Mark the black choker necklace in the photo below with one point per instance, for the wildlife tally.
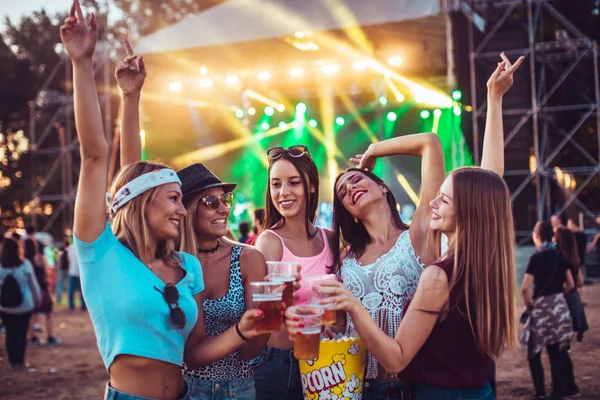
(207, 251)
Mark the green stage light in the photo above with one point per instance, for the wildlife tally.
(425, 114)
(383, 100)
(239, 113)
(265, 126)
(282, 125)
(457, 111)
(392, 116)
(437, 112)
(301, 108)
(269, 111)
(312, 123)
(456, 95)
(340, 121)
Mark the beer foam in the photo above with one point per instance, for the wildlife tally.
(282, 279)
(310, 330)
(267, 297)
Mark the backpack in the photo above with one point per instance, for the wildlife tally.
(10, 292)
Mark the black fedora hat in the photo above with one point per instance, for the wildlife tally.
(196, 178)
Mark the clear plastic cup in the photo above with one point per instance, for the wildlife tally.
(306, 344)
(313, 282)
(284, 272)
(267, 297)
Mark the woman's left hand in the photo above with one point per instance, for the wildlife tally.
(365, 161)
(339, 298)
(502, 78)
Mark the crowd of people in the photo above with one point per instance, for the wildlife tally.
(168, 291)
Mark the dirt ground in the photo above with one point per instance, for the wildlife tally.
(74, 370)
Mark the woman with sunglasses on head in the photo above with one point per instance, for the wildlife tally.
(225, 340)
(291, 204)
(383, 258)
(142, 295)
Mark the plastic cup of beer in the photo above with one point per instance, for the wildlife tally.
(267, 297)
(312, 283)
(306, 343)
(284, 273)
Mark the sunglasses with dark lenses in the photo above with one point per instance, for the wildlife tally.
(295, 151)
(212, 201)
(171, 296)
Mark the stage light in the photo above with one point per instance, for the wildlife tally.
(437, 112)
(205, 82)
(251, 111)
(282, 125)
(313, 123)
(383, 100)
(425, 114)
(301, 108)
(340, 121)
(456, 95)
(264, 76)
(265, 126)
(457, 111)
(281, 108)
(239, 113)
(395, 61)
(232, 80)
(269, 111)
(295, 124)
(175, 86)
(360, 65)
(330, 69)
(468, 108)
(203, 70)
(392, 116)
(400, 98)
(297, 72)
(418, 99)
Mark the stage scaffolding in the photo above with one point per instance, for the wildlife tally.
(59, 159)
(494, 25)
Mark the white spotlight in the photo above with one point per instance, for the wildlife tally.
(395, 61)
(331, 69)
(264, 76)
(175, 86)
(297, 72)
(232, 80)
(205, 82)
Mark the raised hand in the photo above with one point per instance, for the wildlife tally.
(78, 38)
(365, 161)
(131, 74)
(502, 78)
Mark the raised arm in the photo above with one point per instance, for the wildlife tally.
(130, 77)
(80, 40)
(493, 139)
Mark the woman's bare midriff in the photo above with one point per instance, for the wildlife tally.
(145, 377)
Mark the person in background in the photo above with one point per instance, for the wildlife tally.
(581, 240)
(62, 272)
(74, 279)
(31, 231)
(16, 311)
(259, 222)
(556, 221)
(40, 267)
(244, 231)
(548, 320)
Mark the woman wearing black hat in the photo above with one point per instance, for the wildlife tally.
(219, 365)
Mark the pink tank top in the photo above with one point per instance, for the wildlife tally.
(311, 266)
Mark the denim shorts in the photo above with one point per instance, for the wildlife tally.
(428, 392)
(277, 375)
(238, 389)
(113, 394)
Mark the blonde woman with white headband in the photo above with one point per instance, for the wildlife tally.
(142, 295)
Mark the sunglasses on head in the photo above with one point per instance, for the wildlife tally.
(171, 296)
(212, 201)
(295, 151)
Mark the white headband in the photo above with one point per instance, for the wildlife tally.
(140, 185)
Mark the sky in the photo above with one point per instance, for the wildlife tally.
(15, 9)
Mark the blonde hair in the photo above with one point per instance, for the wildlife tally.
(484, 257)
(188, 242)
(129, 224)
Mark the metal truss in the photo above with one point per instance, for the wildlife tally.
(571, 52)
(58, 184)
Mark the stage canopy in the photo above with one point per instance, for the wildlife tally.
(238, 21)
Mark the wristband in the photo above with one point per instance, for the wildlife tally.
(237, 329)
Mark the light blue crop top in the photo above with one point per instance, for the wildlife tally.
(129, 315)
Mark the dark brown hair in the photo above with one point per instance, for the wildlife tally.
(544, 230)
(31, 249)
(11, 254)
(310, 176)
(354, 234)
(567, 246)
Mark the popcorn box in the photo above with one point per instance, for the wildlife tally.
(338, 372)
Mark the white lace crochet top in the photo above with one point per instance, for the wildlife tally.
(384, 287)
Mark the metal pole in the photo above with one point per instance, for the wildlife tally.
(33, 147)
(597, 90)
(474, 104)
(534, 107)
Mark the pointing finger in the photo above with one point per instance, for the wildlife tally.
(128, 47)
(516, 64)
